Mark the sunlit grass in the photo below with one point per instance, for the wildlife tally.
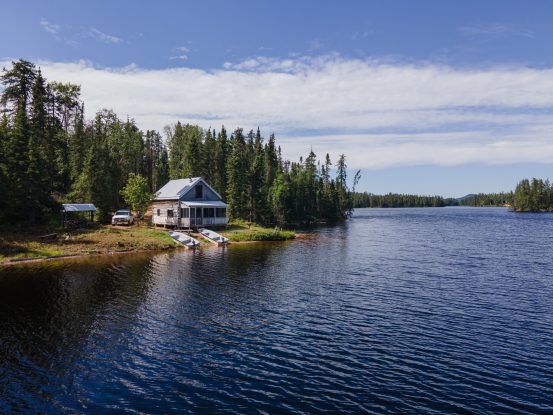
(239, 231)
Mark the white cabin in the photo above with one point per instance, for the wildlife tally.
(188, 203)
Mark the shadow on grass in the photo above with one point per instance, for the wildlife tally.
(9, 248)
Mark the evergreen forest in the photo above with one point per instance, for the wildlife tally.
(51, 154)
(394, 200)
(533, 196)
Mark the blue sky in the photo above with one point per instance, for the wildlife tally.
(422, 96)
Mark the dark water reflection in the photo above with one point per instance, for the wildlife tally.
(414, 311)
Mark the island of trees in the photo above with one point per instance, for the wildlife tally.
(533, 196)
(484, 199)
(51, 154)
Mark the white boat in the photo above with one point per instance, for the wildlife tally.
(213, 236)
(184, 239)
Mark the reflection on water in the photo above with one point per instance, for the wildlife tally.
(420, 310)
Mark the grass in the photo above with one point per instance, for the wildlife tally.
(25, 243)
(240, 231)
(16, 243)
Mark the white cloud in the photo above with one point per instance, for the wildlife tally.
(495, 29)
(179, 57)
(103, 37)
(379, 114)
(51, 28)
(184, 49)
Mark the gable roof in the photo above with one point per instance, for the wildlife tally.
(175, 189)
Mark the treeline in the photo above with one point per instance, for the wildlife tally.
(485, 199)
(533, 196)
(394, 200)
(51, 154)
(259, 185)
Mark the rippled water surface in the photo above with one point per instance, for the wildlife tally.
(410, 310)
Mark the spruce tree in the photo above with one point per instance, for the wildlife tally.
(177, 143)
(37, 175)
(237, 171)
(208, 157)
(4, 189)
(77, 147)
(220, 163)
(17, 153)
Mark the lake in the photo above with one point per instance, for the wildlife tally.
(436, 310)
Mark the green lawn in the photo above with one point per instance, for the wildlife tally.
(238, 231)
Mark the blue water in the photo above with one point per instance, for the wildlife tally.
(446, 310)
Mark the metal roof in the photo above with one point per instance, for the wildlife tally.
(174, 189)
(79, 207)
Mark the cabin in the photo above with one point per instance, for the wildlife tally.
(188, 203)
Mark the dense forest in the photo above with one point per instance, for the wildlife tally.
(51, 154)
(533, 196)
(394, 200)
(486, 199)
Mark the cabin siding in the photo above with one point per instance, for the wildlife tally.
(160, 213)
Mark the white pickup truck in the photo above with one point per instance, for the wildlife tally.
(122, 216)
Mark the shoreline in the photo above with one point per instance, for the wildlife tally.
(64, 257)
(39, 259)
(101, 241)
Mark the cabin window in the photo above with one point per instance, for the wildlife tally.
(199, 191)
(221, 212)
(169, 213)
(158, 212)
(209, 212)
(184, 212)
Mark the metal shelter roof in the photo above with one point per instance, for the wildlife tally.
(79, 207)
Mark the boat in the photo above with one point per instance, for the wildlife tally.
(184, 239)
(213, 236)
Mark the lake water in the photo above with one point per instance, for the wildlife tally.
(446, 310)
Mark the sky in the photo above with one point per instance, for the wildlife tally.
(427, 97)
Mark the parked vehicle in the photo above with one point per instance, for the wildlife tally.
(122, 217)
